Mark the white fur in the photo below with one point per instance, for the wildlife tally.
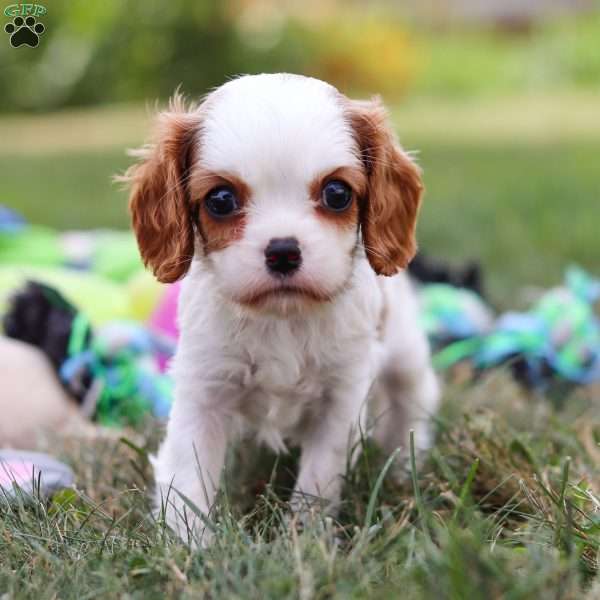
(292, 371)
(277, 133)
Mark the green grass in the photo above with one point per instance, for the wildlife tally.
(525, 211)
(70, 190)
(507, 511)
(508, 506)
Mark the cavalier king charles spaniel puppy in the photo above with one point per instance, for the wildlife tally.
(290, 212)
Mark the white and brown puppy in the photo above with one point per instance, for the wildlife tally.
(282, 202)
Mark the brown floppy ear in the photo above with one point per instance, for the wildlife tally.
(159, 203)
(389, 213)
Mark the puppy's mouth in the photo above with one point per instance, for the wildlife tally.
(284, 292)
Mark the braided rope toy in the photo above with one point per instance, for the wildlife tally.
(119, 368)
(558, 336)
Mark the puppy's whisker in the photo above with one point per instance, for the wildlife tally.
(377, 253)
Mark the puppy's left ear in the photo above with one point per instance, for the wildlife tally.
(159, 202)
(389, 213)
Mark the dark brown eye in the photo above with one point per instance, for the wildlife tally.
(221, 201)
(336, 195)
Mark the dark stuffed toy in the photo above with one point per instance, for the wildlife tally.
(40, 316)
(430, 270)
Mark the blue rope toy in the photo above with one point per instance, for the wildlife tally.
(558, 337)
(121, 362)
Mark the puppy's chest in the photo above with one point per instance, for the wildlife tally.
(281, 392)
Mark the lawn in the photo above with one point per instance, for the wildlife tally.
(506, 509)
(504, 506)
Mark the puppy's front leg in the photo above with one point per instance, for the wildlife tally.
(189, 463)
(327, 446)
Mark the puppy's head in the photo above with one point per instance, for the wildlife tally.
(273, 182)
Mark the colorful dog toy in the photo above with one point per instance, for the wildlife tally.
(121, 365)
(558, 337)
(113, 371)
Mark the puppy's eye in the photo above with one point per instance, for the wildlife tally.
(336, 195)
(221, 202)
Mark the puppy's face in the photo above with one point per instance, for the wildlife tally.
(274, 181)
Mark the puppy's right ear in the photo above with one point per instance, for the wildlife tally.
(389, 214)
(159, 200)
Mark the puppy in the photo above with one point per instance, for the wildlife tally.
(290, 210)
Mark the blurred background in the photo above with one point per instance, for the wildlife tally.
(500, 99)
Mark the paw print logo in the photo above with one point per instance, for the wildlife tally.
(24, 32)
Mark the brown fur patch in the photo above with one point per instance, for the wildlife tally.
(217, 233)
(389, 213)
(159, 199)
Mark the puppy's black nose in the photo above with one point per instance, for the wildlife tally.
(282, 255)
